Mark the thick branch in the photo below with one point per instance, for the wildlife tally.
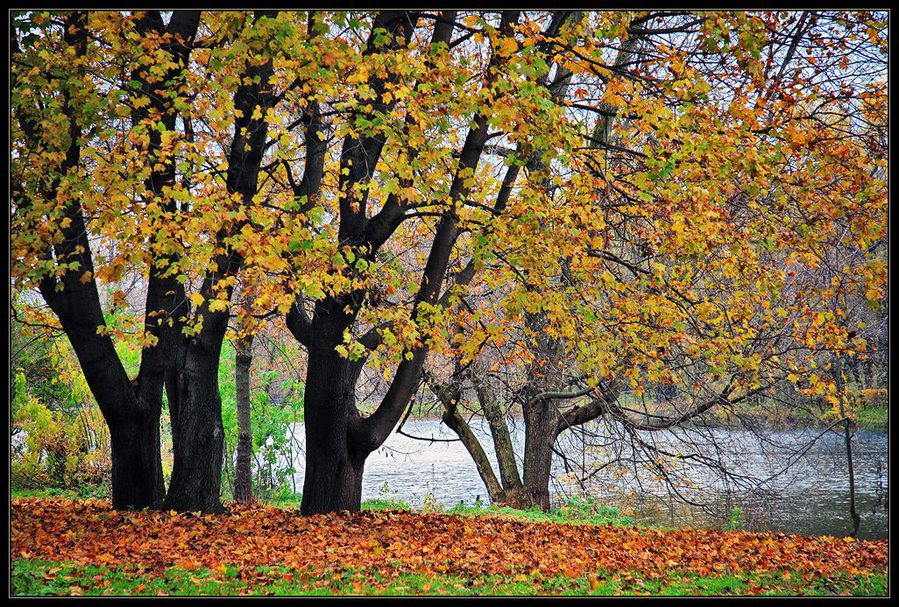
(360, 155)
(299, 324)
(449, 395)
(376, 428)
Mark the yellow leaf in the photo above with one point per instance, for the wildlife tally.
(218, 305)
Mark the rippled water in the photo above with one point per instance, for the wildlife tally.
(807, 491)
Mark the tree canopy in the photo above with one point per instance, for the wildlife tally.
(658, 191)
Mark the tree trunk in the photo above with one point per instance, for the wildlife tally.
(853, 513)
(334, 466)
(449, 395)
(133, 422)
(502, 440)
(136, 462)
(197, 433)
(243, 475)
(541, 421)
(847, 438)
(457, 424)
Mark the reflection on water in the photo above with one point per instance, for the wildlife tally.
(806, 490)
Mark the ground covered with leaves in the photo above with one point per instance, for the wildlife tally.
(85, 547)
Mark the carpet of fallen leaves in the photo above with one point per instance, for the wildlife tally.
(391, 543)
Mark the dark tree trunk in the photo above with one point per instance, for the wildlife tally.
(136, 462)
(457, 424)
(197, 433)
(334, 464)
(133, 422)
(243, 475)
(131, 409)
(541, 428)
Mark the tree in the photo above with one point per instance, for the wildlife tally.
(107, 109)
(55, 106)
(243, 475)
(644, 313)
(338, 438)
(614, 188)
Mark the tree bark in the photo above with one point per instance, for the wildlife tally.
(243, 475)
(196, 413)
(540, 422)
(136, 462)
(334, 464)
(128, 408)
(853, 512)
(197, 433)
(541, 419)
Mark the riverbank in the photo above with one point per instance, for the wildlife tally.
(62, 546)
(872, 414)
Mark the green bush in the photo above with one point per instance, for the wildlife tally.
(65, 449)
(736, 521)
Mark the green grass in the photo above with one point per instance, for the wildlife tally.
(573, 511)
(31, 577)
(86, 492)
(873, 417)
(586, 511)
(294, 500)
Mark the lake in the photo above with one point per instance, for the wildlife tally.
(806, 488)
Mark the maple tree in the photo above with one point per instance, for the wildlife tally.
(678, 278)
(627, 189)
(135, 141)
(55, 106)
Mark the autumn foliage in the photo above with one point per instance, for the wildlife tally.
(394, 543)
(663, 191)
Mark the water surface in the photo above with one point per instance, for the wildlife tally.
(806, 487)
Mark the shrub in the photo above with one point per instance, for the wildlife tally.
(57, 448)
